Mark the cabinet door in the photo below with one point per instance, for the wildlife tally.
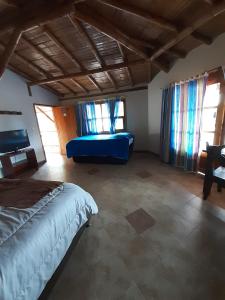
(66, 124)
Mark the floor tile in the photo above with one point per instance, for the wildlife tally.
(140, 220)
(180, 257)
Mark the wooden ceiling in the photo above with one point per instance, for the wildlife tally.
(79, 48)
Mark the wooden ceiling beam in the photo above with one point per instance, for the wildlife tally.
(149, 70)
(79, 85)
(95, 83)
(111, 79)
(24, 61)
(215, 10)
(106, 93)
(104, 26)
(78, 25)
(67, 87)
(153, 19)
(160, 22)
(30, 65)
(156, 44)
(92, 46)
(11, 3)
(202, 38)
(210, 2)
(36, 13)
(9, 50)
(125, 61)
(59, 44)
(90, 72)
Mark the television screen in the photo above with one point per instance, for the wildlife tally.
(13, 140)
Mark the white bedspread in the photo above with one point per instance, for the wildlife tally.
(34, 241)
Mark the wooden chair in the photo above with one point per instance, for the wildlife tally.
(215, 169)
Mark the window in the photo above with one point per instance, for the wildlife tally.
(102, 119)
(210, 116)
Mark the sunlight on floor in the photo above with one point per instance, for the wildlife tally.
(55, 159)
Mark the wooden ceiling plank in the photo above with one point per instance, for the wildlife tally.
(215, 10)
(66, 87)
(59, 44)
(111, 79)
(90, 72)
(148, 16)
(153, 19)
(78, 25)
(31, 65)
(42, 53)
(27, 62)
(79, 85)
(125, 61)
(9, 50)
(93, 47)
(104, 26)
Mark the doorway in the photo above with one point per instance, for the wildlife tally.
(48, 130)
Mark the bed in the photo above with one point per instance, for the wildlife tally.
(34, 237)
(113, 148)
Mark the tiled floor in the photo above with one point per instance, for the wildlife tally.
(182, 256)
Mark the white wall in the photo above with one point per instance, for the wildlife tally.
(137, 117)
(137, 114)
(198, 61)
(14, 97)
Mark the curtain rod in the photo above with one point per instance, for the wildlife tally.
(103, 99)
(197, 76)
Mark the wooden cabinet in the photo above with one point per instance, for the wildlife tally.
(66, 124)
(11, 167)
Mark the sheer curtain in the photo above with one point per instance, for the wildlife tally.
(87, 118)
(181, 122)
(113, 108)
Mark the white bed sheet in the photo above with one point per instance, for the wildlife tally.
(34, 241)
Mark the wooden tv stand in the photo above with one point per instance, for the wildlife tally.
(10, 168)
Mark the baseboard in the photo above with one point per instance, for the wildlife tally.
(146, 151)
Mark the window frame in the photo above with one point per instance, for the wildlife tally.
(124, 117)
(219, 131)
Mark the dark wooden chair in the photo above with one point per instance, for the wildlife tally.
(215, 169)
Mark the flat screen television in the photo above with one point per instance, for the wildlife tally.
(13, 140)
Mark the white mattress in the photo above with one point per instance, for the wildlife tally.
(34, 241)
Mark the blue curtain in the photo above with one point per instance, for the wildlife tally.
(181, 121)
(165, 133)
(87, 118)
(113, 108)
